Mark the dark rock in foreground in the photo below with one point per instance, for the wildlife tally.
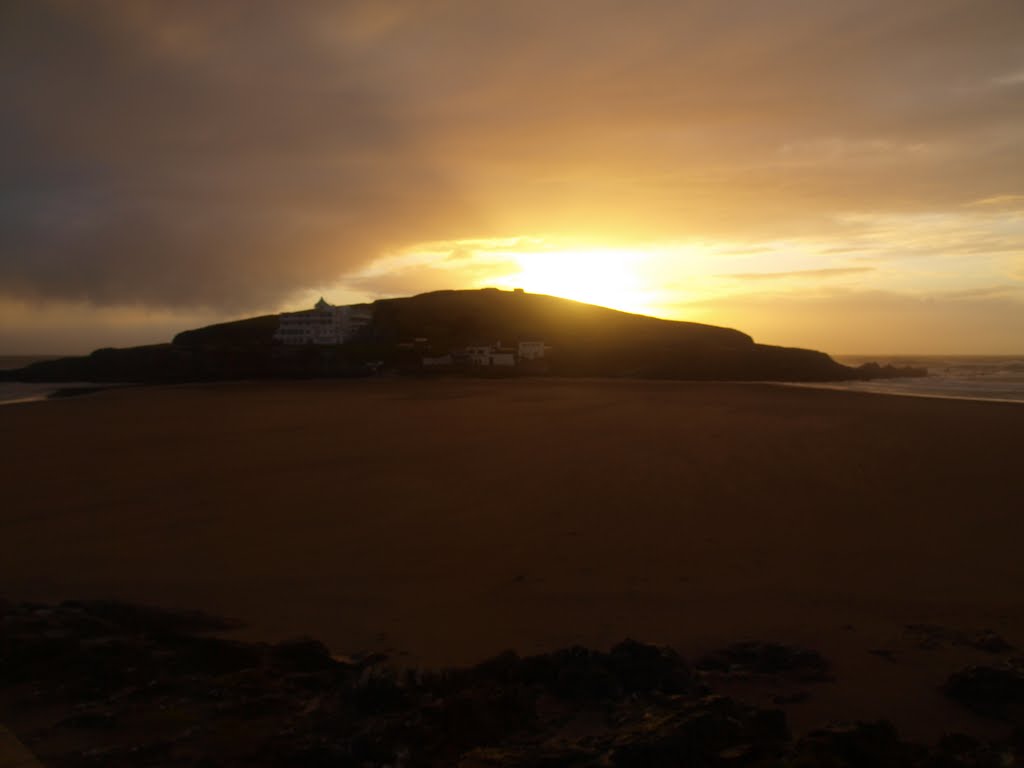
(991, 691)
(755, 658)
(871, 745)
(108, 684)
(932, 636)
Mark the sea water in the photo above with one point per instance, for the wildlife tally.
(25, 391)
(962, 377)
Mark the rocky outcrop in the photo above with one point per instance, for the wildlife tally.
(995, 691)
(861, 745)
(933, 636)
(756, 658)
(108, 684)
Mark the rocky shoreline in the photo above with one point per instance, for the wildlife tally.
(112, 684)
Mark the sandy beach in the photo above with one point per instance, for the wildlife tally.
(447, 520)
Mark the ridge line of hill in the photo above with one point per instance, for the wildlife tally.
(585, 340)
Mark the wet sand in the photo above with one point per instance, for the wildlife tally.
(448, 520)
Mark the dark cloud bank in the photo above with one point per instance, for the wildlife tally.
(224, 154)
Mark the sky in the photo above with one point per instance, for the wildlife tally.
(846, 175)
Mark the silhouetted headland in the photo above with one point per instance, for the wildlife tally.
(407, 334)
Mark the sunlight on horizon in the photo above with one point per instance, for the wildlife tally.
(608, 277)
(843, 291)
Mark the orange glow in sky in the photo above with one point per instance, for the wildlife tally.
(847, 176)
(603, 276)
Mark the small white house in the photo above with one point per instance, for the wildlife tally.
(479, 354)
(489, 355)
(532, 350)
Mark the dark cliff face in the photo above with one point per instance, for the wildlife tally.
(586, 341)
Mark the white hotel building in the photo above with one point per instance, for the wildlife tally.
(324, 324)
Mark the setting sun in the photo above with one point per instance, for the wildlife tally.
(605, 276)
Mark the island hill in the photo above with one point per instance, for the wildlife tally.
(448, 331)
